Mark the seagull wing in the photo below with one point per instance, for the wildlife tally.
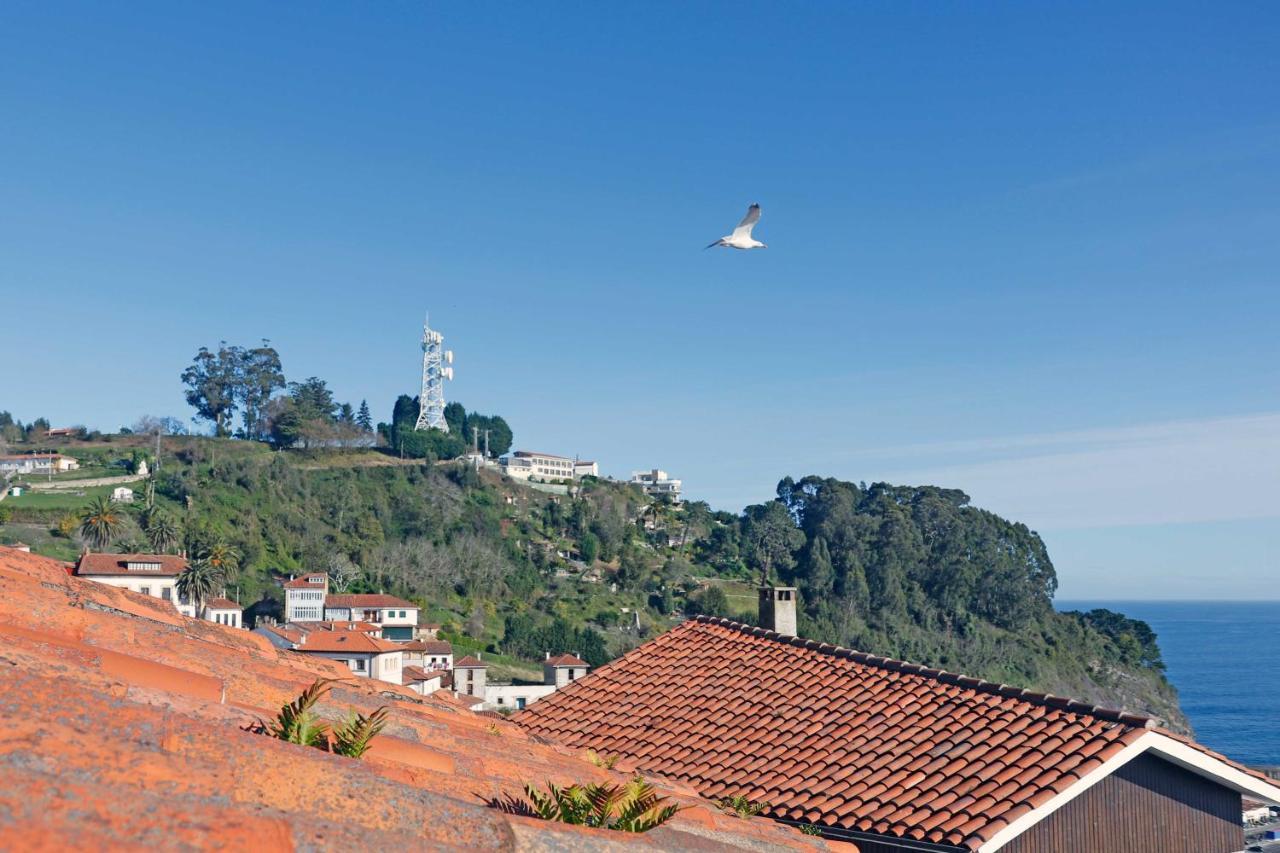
(748, 222)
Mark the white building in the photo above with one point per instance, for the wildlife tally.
(37, 463)
(557, 672)
(364, 655)
(397, 617)
(304, 597)
(429, 654)
(657, 483)
(147, 574)
(122, 495)
(155, 575)
(470, 675)
(224, 611)
(527, 465)
(424, 681)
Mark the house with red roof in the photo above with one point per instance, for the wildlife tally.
(304, 597)
(362, 654)
(896, 756)
(398, 618)
(155, 575)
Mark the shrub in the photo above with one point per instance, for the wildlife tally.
(741, 806)
(297, 723)
(631, 807)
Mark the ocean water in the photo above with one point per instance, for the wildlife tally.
(1224, 658)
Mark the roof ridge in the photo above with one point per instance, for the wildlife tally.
(1033, 697)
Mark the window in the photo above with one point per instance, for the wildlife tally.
(359, 665)
(572, 674)
(500, 701)
(166, 593)
(519, 703)
(145, 590)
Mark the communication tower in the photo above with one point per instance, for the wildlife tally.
(437, 366)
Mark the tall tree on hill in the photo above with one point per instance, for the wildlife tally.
(213, 385)
(772, 538)
(161, 531)
(100, 521)
(363, 418)
(260, 376)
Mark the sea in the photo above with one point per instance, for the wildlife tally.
(1224, 658)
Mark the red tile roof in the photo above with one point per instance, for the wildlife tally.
(374, 599)
(118, 564)
(108, 749)
(304, 581)
(355, 642)
(337, 625)
(222, 604)
(469, 661)
(417, 673)
(565, 660)
(428, 647)
(831, 736)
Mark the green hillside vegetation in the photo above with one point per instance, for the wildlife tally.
(908, 572)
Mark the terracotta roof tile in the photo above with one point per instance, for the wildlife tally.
(315, 580)
(865, 742)
(127, 727)
(565, 660)
(118, 564)
(469, 661)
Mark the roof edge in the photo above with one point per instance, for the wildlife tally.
(1047, 700)
(1174, 751)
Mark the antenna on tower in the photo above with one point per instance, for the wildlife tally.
(434, 373)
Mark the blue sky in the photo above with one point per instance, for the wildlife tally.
(1027, 252)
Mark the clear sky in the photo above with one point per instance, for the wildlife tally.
(1027, 252)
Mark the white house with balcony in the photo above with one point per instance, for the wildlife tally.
(304, 597)
(657, 483)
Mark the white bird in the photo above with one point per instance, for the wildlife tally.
(741, 237)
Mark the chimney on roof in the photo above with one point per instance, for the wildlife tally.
(548, 656)
(778, 609)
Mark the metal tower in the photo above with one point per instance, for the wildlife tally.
(436, 368)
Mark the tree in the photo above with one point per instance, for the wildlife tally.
(100, 521)
(313, 398)
(363, 418)
(260, 376)
(213, 385)
(342, 573)
(197, 583)
(222, 558)
(475, 622)
(589, 548)
(346, 414)
(771, 538)
(162, 532)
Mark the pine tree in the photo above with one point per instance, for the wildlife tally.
(363, 418)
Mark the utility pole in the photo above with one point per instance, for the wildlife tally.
(475, 438)
(486, 444)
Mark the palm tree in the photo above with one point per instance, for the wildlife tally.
(223, 558)
(100, 521)
(197, 582)
(162, 531)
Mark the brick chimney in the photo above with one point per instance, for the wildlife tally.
(778, 609)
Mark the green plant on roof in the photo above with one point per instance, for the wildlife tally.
(630, 807)
(809, 829)
(352, 738)
(297, 722)
(741, 806)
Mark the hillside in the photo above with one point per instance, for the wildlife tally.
(914, 573)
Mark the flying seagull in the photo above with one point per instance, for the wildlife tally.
(741, 237)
